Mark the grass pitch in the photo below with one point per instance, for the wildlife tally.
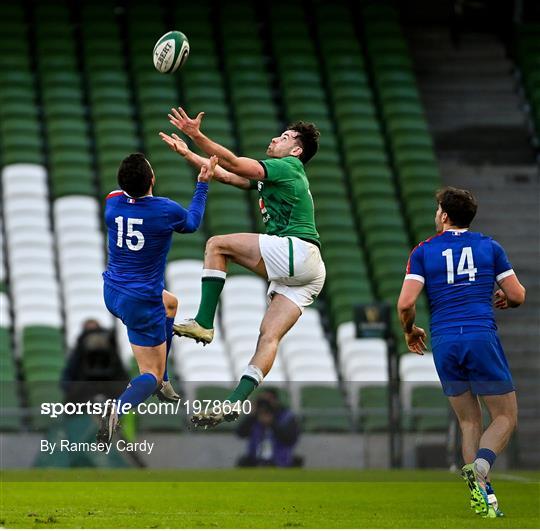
(258, 499)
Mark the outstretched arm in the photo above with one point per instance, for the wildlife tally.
(242, 166)
(220, 174)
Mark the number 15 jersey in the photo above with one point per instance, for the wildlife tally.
(459, 269)
(140, 233)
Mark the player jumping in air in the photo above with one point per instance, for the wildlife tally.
(288, 255)
(140, 228)
(459, 269)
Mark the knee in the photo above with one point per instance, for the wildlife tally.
(470, 425)
(171, 304)
(267, 336)
(215, 244)
(509, 420)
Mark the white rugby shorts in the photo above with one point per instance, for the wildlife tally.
(295, 268)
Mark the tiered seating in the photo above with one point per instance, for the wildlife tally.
(203, 90)
(3, 271)
(425, 407)
(528, 51)
(33, 284)
(8, 372)
(109, 92)
(81, 260)
(364, 366)
(375, 195)
(243, 303)
(30, 251)
(313, 376)
(70, 158)
(195, 364)
(250, 86)
(410, 142)
(155, 95)
(20, 139)
(301, 85)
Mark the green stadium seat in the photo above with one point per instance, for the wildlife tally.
(373, 409)
(323, 409)
(429, 409)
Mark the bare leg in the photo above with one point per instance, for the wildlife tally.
(503, 411)
(170, 302)
(242, 249)
(279, 318)
(467, 409)
(150, 360)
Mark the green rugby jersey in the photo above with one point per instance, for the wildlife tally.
(285, 200)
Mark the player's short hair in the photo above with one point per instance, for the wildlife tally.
(460, 205)
(135, 175)
(308, 137)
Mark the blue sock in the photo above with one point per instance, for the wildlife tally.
(487, 454)
(484, 461)
(169, 330)
(489, 488)
(138, 390)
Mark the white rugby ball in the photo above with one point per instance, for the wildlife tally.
(171, 52)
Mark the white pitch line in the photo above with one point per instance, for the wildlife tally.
(512, 477)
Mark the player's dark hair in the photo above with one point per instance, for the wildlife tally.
(460, 205)
(135, 175)
(308, 136)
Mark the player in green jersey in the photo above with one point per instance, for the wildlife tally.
(288, 255)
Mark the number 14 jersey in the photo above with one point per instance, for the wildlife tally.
(459, 269)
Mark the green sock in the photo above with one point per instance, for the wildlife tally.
(212, 284)
(245, 387)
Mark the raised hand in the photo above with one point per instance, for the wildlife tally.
(415, 340)
(188, 126)
(175, 143)
(207, 170)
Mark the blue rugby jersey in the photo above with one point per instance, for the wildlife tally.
(459, 269)
(140, 233)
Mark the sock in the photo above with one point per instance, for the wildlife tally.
(251, 378)
(137, 391)
(169, 329)
(484, 460)
(213, 281)
(489, 488)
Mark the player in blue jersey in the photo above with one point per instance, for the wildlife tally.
(459, 269)
(140, 228)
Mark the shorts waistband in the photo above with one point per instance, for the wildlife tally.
(314, 242)
(464, 329)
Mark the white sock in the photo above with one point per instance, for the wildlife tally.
(214, 273)
(482, 466)
(253, 372)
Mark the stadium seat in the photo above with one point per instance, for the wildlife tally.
(77, 220)
(24, 270)
(419, 380)
(323, 409)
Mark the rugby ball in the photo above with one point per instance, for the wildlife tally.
(170, 52)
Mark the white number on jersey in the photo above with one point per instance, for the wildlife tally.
(138, 235)
(465, 265)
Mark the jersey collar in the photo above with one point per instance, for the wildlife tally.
(147, 195)
(451, 230)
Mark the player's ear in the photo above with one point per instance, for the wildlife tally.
(296, 151)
